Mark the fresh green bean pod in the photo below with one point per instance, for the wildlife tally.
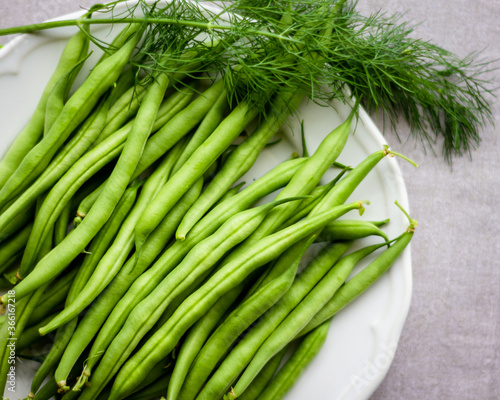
(75, 50)
(289, 374)
(13, 247)
(61, 225)
(230, 275)
(241, 159)
(107, 301)
(58, 96)
(351, 230)
(74, 112)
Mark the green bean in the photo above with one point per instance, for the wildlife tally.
(265, 376)
(230, 275)
(75, 243)
(53, 297)
(201, 259)
(209, 123)
(153, 391)
(286, 331)
(350, 230)
(75, 49)
(289, 374)
(239, 320)
(362, 280)
(240, 161)
(13, 246)
(74, 112)
(59, 93)
(46, 392)
(102, 307)
(194, 168)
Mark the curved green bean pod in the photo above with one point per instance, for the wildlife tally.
(240, 160)
(74, 112)
(13, 246)
(289, 374)
(58, 95)
(107, 301)
(351, 230)
(75, 50)
(286, 331)
(229, 276)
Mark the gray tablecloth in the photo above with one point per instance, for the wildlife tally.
(449, 348)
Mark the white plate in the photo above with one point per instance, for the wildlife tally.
(364, 336)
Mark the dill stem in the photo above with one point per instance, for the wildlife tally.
(31, 28)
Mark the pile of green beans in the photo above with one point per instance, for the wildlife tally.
(139, 263)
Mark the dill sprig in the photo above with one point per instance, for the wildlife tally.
(318, 48)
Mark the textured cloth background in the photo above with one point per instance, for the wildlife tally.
(450, 344)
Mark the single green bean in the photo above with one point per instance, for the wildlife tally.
(351, 230)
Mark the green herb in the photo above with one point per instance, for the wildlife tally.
(320, 48)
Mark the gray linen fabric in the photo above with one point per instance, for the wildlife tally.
(450, 344)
